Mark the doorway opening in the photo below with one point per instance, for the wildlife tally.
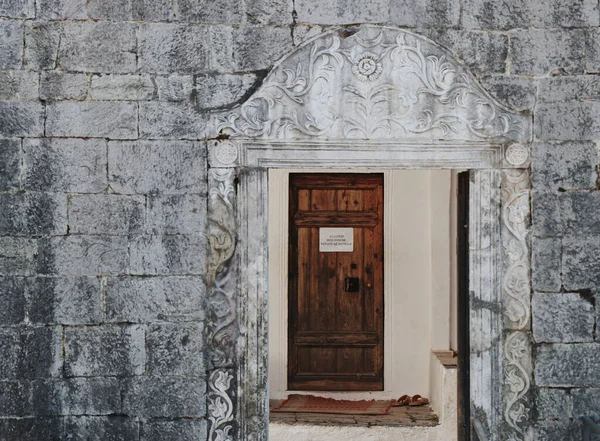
(419, 286)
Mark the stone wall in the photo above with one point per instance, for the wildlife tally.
(103, 111)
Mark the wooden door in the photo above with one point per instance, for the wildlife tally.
(335, 297)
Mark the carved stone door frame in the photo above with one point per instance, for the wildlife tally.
(278, 128)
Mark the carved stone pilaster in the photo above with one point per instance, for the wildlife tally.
(221, 317)
(516, 288)
(515, 221)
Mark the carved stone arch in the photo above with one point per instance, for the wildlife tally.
(375, 97)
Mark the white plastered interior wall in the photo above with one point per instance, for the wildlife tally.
(418, 249)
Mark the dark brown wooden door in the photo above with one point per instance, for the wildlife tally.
(336, 297)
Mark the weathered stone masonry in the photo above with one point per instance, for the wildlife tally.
(104, 107)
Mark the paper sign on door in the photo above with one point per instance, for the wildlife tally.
(334, 240)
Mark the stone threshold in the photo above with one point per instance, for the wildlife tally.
(419, 416)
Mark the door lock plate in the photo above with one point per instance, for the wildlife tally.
(352, 284)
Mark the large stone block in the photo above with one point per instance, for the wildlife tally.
(253, 47)
(269, 12)
(82, 255)
(580, 212)
(94, 428)
(61, 10)
(539, 52)
(510, 14)
(104, 351)
(122, 87)
(585, 403)
(98, 47)
(76, 396)
(176, 214)
(63, 86)
(32, 214)
(171, 121)
(569, 88)
(483, 52)
(21, 118)
(12, 301)
(581, 263)
(175, 349)
(64, 300)
(18, 256)
(561, 430)
(444, 13)
(15, 398)
(545, 263)
(64, 165)
(568, 121)
(140, 300)
(106, 214)
(123, 10)
(115, 120)
(17, 8)
(515, 92)
(157, 167)
(175, 87)
(11, 44)
(92, 396)
(42, 40)
(209, 11)
(40, 353)
(567, 365)
(31, 429)
(178, 430)
(174, 48)
(10, 164)
(552, 404)
(9, 353)
(215, 91)
(592, 62)
(47, 396)
(562, 318)
(341, 12)
(566, 166)
(156, 397)
(168, 255)
(19, 85)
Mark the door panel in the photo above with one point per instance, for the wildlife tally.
(335, 333)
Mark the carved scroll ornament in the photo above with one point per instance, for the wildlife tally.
(379, 83)
(517, 307)
(220, 276)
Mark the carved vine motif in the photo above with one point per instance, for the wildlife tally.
(515, 211)
(397, 83)
(221, 282)
(516, 292)
(220, 406)
(518, 382)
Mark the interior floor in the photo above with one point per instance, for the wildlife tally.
(422, 416)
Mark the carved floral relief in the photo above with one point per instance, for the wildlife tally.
(378, 83)
(517, 302)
